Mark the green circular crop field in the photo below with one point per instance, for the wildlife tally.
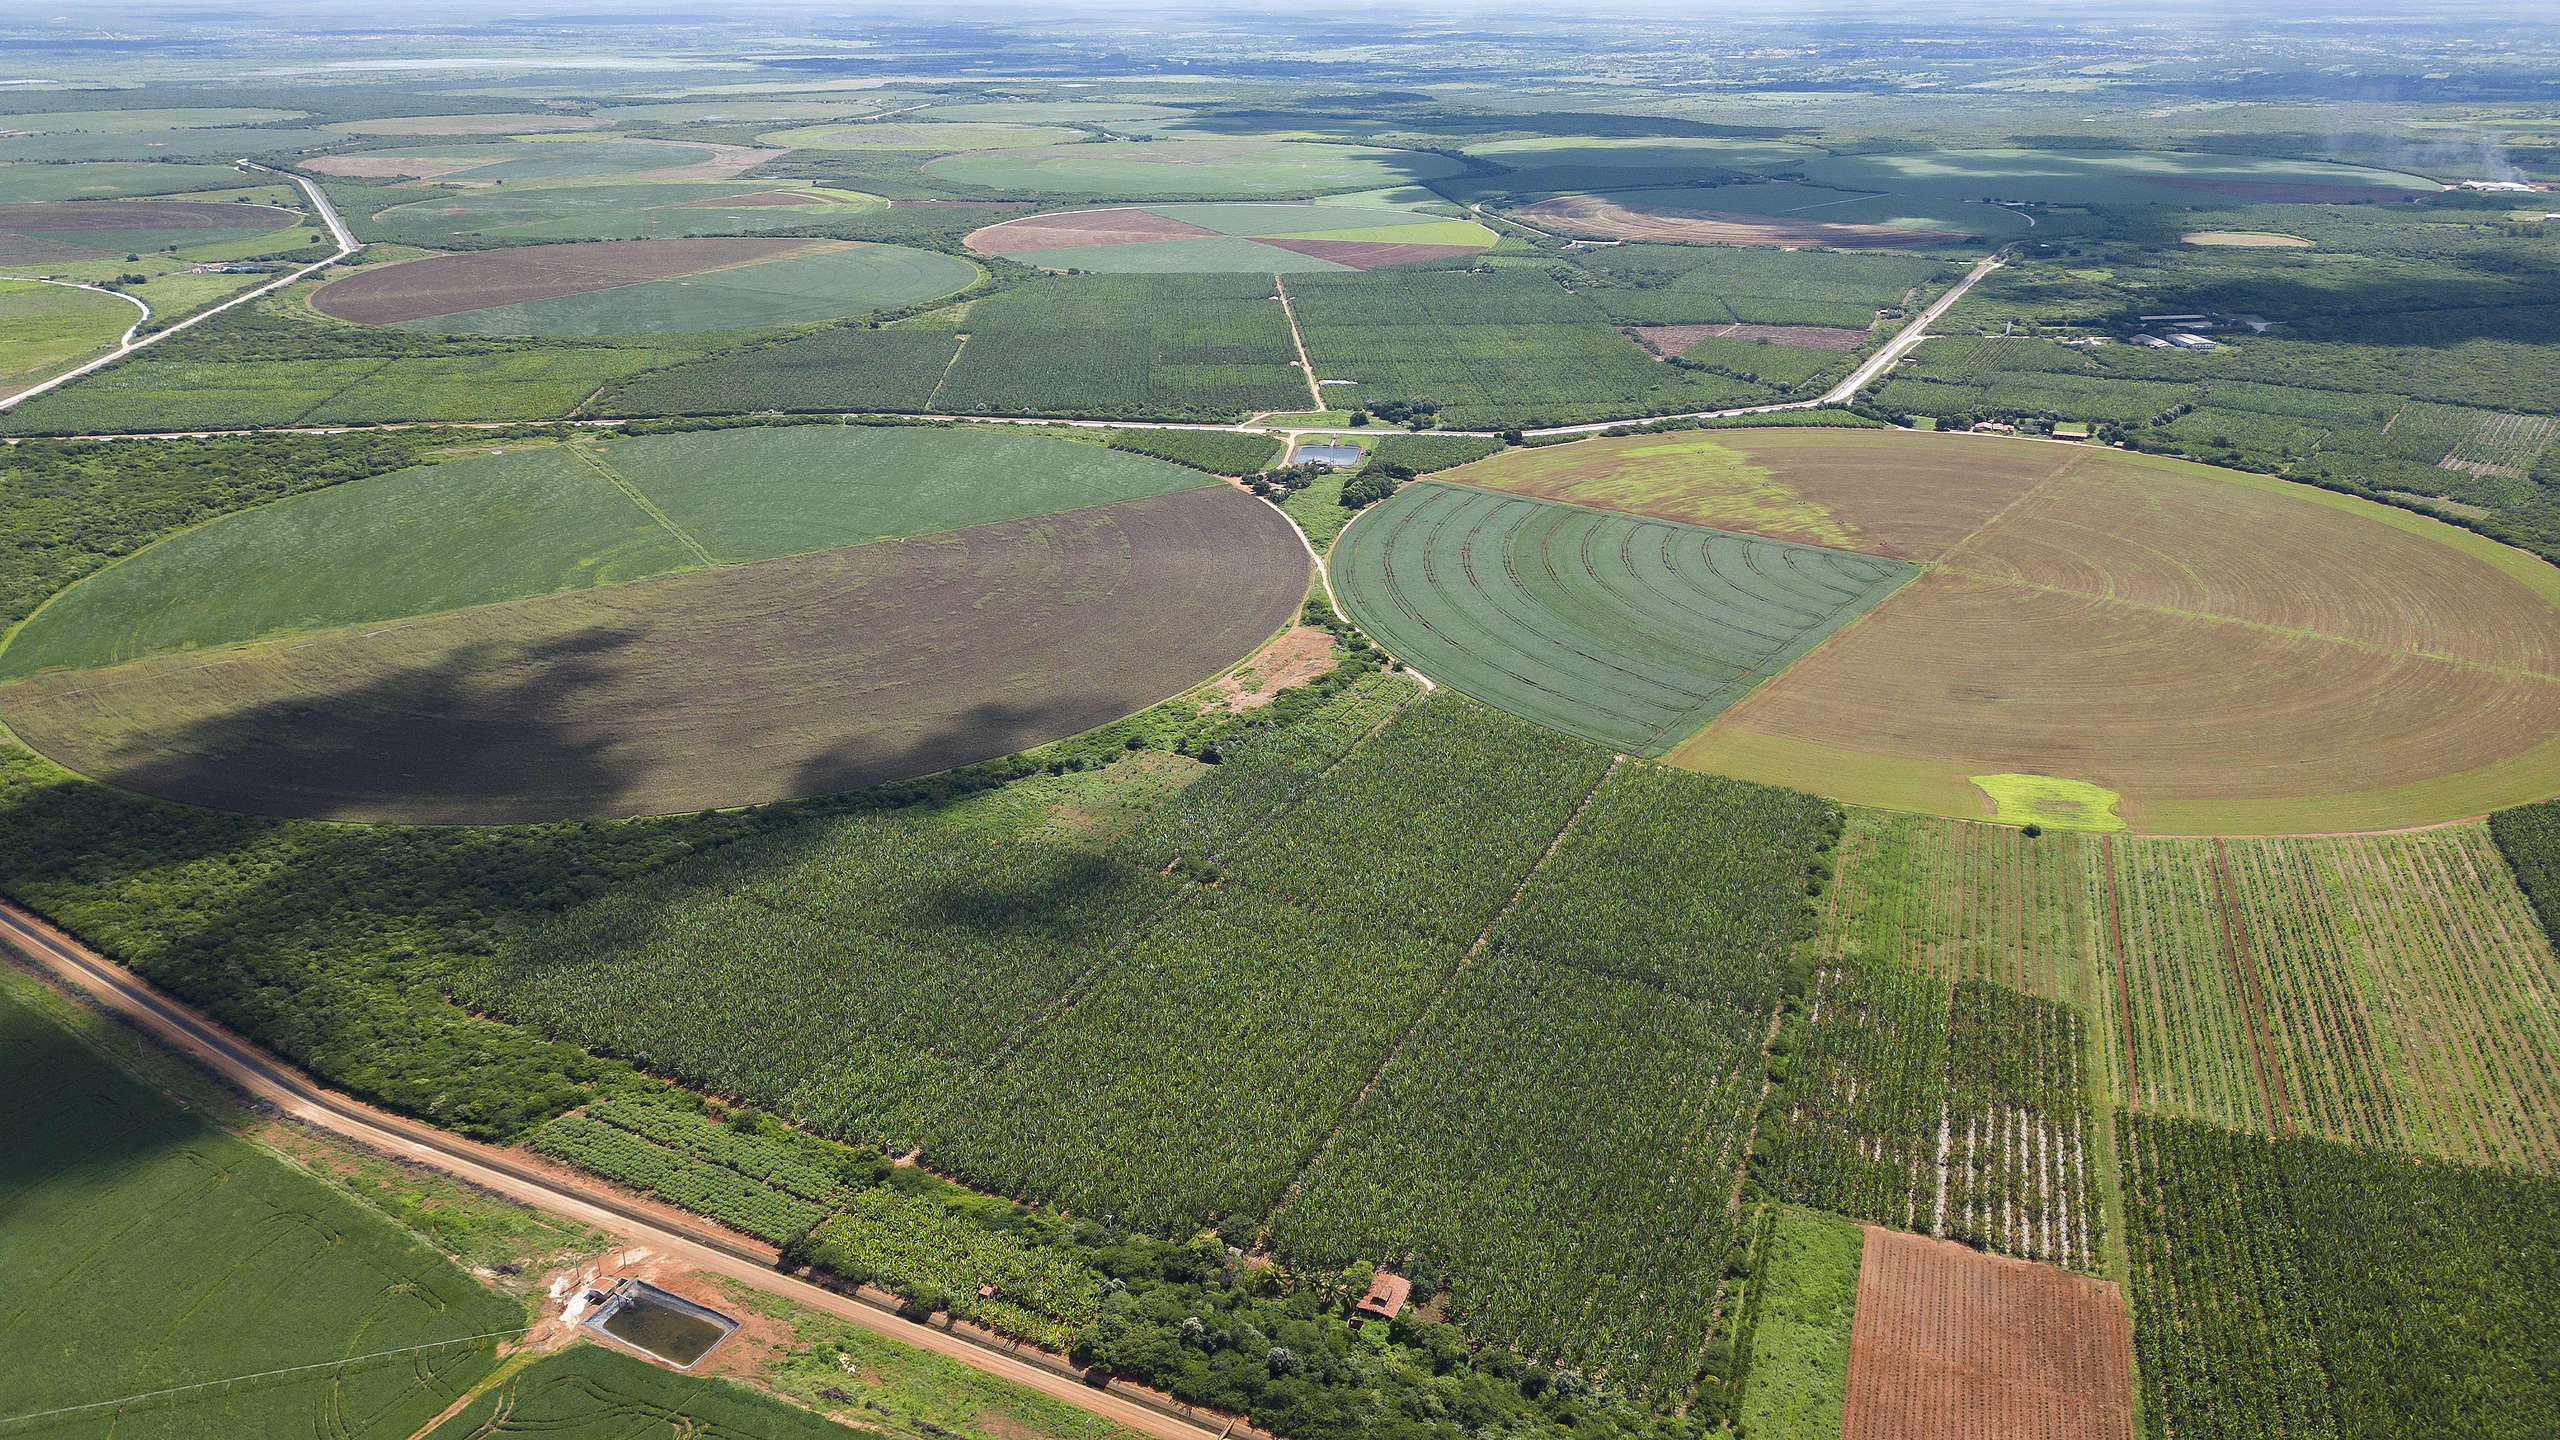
(630, 625)
(1194, 167)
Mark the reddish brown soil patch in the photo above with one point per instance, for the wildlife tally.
(1952, 1342)
(140, 215)
(1599, 215)
(1091, 227)
(450, 284)
(800, 676)
(760, 197)
(1666, 340)
(2279, 192)
(1298, 656)
(1370, 254)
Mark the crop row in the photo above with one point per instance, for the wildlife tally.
(1957, 1111)
(911, 1246)
(757, 1159)
(2386, 988)
(2301, 1288)
(676, 1177)
(1561, 1137)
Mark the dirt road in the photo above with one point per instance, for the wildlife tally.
(704, 1248)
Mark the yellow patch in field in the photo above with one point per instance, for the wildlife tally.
(2051, 801)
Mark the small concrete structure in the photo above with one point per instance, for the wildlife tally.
(2186, 341)
(1386, 1297)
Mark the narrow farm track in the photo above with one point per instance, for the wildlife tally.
(702, 1247)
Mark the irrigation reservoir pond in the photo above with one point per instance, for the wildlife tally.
(664, 1327)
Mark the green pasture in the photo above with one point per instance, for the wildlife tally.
(588, 1392)
(1626, 631)
(521, 123)
(1049, 112)
(742, 109)
(1200, 255)
(1192, 167)
(23, 184)
(43, 327)
(609, 211)
(482, 529)
(549, 159)
(146, 1250)
(128, 122)
(175, 144)
(778, 292)
(1941, 189)
(1800, 1349)
(896, 135)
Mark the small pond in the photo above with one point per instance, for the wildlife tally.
(668, 1327)
(1340, 457)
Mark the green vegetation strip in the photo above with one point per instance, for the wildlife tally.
(1627, 631)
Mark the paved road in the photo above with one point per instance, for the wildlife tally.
(702, 1247)
(338, 232)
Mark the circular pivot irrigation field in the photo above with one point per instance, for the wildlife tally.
(642, 287)
(73, 230)
(649, 625)
(2124, 639)
(1196, 239)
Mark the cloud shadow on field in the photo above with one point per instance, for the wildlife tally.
(485, 732)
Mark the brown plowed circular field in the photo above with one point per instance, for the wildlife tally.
(800, 676)
(2229, 653)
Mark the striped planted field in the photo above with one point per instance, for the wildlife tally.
(1623, 630)
(2387, 989)
(1948, 1342)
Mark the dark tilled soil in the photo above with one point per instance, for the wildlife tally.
(139, 215)
(799, 676)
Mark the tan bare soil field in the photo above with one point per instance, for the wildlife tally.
(1082, 228)
(800, 676)
(1600, 215)
(2231, 654)
(1953, 1344)
(450, 284)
